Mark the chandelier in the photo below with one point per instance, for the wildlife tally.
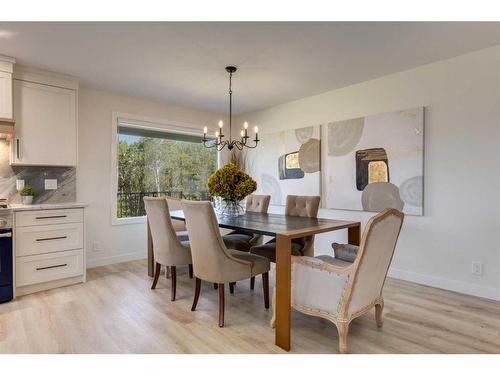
(219, 140)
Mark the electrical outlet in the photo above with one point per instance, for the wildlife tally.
(477, 268)
(50, 184)
(96, 246)
(19, 184)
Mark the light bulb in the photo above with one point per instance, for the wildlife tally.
(221, 124)
(256, 129)
(245, 125)
(216, 134)
(242, 133)
(205, 129)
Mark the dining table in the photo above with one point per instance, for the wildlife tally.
(284, 228)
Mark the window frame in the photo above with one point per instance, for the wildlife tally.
(142, 122)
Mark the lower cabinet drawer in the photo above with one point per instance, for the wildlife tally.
(43, 239)
(46, 217)
(34, 269)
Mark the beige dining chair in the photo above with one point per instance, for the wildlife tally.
(341, 291)
(168, 250)
(174, 204)
(243, 240)
(213, 261)
(296, 205)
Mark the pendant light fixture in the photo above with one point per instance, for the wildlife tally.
(219, 140)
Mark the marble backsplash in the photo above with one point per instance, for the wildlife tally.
(35, 176)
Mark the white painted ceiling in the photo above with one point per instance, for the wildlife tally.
(184, 62)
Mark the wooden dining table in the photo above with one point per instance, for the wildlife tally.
(285, 229)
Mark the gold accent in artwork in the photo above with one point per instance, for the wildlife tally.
(292, 161)
(377, 172)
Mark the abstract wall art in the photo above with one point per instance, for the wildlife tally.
(286, 163)
(374, 162)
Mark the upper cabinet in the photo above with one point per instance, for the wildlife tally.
(6, 68)
(45, 110)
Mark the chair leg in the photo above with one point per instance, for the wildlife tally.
(252, 282)
(221, 305)
(343, 329)
(265, 287)
(174, 282)
(157, 275)
(196, 294)
(231, 287)
(379, 308)
(216, 286)
(167, 272)
(190, 271)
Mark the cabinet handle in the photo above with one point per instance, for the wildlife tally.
(48, 267)
(51, 238)
(8, 234)
(50, 217)
(18, 153)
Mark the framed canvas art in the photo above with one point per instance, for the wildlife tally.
(374, 162)
(287, 162)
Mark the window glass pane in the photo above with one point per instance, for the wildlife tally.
(154, 163)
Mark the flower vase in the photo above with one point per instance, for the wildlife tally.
(230, 208)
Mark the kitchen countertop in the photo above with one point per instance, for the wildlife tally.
(45, 206)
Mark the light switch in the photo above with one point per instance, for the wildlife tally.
(19, 184)
(50, 184)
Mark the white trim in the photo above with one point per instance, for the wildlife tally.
(119, 258)
(138, 121)
(129, 220)
(448, 284)
(35, 75)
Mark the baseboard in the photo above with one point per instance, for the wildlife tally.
(104, 261)
(28, 289)
(442, 283)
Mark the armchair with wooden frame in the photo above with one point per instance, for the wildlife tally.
(341, 291)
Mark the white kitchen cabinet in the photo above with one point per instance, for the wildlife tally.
(46, 125)
(49, 247)
(5, 95)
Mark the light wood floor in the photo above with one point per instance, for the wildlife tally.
(116, 312)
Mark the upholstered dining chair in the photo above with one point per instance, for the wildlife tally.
(213, 261)
(168, 250)
(242, 240)
(304, 206)
(174, 204)
(341, 291)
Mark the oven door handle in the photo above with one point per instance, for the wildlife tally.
(7, 234)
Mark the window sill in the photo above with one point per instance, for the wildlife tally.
(129, 220)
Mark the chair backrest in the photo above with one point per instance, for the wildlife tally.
(207, 247)
(174, 204)
(165, 240)
(302, 205)
(374, 258)
(258, 203)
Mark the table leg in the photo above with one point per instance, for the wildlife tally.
(283, 291)
(151, 260)
(354, 235)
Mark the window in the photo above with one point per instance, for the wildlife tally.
(155, 162)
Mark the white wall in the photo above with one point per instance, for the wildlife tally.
(462, 165)
(118, 242)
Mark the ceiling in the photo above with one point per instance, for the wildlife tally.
(184, 63)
